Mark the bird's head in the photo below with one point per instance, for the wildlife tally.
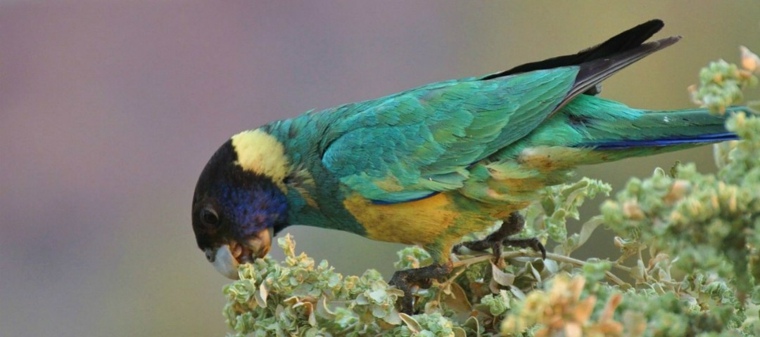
(240, 200)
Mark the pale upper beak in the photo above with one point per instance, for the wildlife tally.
(227, 257)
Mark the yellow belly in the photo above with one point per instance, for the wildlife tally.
(435, 223)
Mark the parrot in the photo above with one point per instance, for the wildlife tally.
(430, 165)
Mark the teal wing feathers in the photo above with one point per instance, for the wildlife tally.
(415, 143)
(410, 145)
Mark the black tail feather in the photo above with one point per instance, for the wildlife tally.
(597, 70)
(626, 40)
(602, 61)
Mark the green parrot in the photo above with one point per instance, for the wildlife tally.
(430, 165)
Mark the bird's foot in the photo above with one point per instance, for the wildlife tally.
(500, 238)
(421, 277)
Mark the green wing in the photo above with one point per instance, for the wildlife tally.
(409, 145)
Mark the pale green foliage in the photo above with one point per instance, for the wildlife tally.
(721, 84)
(688, 253)
(412, 257)
(560, 203)
(297, 297)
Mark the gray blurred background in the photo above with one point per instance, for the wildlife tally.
(110, 109)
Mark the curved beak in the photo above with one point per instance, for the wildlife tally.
(229, 256)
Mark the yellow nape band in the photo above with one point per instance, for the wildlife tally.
(260, 152)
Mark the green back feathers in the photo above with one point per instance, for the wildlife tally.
(422, 141)
(426, 140)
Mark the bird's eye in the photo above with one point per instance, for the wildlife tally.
(209, 218)
(209, 255)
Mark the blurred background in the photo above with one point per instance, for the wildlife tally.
(110, 109)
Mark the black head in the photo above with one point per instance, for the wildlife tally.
(236, 209)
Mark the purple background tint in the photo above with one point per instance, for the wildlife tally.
(110, 109)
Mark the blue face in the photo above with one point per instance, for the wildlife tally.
(232, 204)
(252, 207)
